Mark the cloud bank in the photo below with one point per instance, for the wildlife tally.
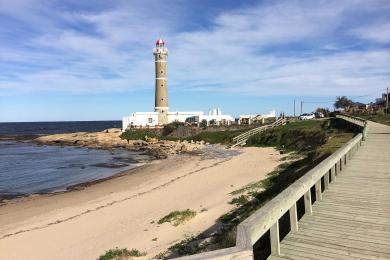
(311, 48)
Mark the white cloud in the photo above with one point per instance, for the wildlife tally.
(378, 33)
(282, 48)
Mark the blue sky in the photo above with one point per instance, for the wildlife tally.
(92, 60)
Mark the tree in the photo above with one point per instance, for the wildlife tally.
(343, 102)
(324, 111)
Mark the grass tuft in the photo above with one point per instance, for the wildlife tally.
(178, 217)
(121, 254)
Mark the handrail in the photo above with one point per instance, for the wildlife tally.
(267, 217)
(240, 139)
(256, 129)
(357, 121)
(255, 226)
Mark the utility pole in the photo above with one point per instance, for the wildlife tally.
(301, 106)
(294, 107)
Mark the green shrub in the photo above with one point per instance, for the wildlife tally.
(121, 254)
(169, 128)
(240, 200)
(220, 137)
(139, 134)
(178, 217)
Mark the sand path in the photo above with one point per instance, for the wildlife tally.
(124, 211)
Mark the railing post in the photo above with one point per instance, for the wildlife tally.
(346, 161)
(308, 206)
(333, 172)
(293, 218)
(318, 190)
(326, 180)
(275, 241)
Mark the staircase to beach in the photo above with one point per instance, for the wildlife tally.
(241, 139)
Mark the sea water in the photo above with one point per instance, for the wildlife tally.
(27, 168)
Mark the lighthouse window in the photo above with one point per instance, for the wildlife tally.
(150, 120)
(162, 85)
(162, 71)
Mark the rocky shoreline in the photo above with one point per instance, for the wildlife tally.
(110, 139)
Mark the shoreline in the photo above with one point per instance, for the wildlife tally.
(108, 139)
(123, 211)
(5, 198)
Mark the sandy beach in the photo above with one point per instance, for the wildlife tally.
(123, 211)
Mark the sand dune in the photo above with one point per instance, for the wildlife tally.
(124, 211)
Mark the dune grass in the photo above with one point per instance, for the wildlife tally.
(178, 217)
(121, 254)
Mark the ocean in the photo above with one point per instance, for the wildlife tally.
(27, 168)
(42, 128)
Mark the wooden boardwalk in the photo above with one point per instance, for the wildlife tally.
(352, 221)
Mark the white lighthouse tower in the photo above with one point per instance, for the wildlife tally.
(161, 92)
(161, 116)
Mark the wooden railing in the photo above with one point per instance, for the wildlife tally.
(267, 218)
(356, 121)
(242, 138)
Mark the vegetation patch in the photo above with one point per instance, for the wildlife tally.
(382, 119)
(140, 134)
(213, 137)
(190, 246)
(178, 217)
(240, 200)
(254, 186)
(220, 137)
(121, 254)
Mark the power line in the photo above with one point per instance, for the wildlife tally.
(317, 102)
(332, 101)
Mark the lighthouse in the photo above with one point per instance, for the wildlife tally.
(160, 116)
(161, 92)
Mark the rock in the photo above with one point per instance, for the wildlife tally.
(151, 140)
(158, 153)
(112, 130)
(183, 148)
(110, 138)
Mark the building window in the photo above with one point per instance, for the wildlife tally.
(150, 120)
(162, 85)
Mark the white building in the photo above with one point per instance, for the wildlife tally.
(150, 119)
(214, 117)
(250, 119)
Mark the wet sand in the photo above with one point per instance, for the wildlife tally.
(123, 211)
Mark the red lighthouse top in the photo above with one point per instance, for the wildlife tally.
(160, 42)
